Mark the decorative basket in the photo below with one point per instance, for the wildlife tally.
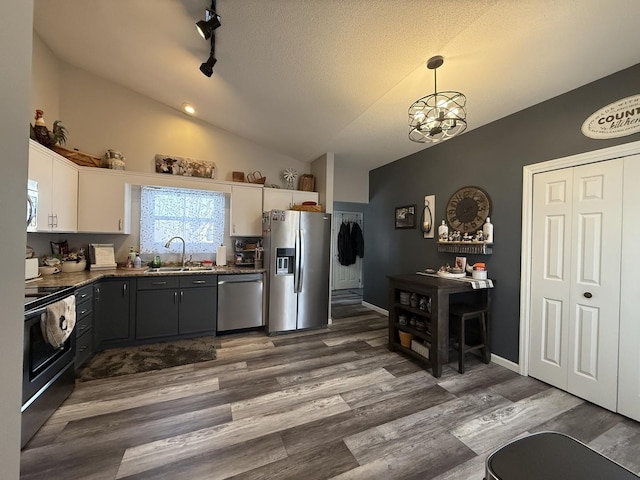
(308, 208)
(405, 339)
(238, 176)
(256, 177)
(307, 183)
(420, 348)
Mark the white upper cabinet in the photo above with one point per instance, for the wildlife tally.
(57, 189)
(278, 199)
(104, 201)
(246, 211)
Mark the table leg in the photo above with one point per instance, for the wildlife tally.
(440, 332)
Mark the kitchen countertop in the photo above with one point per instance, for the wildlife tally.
(79, 279)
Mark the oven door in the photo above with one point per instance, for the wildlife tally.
(41, 361)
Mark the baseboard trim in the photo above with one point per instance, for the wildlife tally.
(375, 308)
(503, 362)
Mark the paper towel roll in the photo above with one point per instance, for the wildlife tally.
(221, 255)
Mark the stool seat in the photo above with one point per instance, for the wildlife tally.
(552, 456)
(459, 315)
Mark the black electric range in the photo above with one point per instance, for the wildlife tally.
(37, 296)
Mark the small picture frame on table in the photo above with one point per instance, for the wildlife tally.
(405, 216)
(461, 262)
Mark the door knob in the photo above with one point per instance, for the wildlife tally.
(587, 295)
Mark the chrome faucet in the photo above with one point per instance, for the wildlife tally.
(166, 245)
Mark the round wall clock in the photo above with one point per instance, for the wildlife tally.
(468, 209)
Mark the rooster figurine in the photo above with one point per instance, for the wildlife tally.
(42, 135)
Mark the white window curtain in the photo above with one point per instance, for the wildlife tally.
(195, 215)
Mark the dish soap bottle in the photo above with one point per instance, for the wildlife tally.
(137, 263)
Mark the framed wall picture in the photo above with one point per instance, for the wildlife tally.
(406, 216)
(184, 166)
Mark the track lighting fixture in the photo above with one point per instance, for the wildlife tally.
(209, 24)
(207, 67)
(206, 29)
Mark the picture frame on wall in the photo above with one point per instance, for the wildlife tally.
(405, 216)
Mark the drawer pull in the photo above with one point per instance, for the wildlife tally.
(199, 281)
(158, 283)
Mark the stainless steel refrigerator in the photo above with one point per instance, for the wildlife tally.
(297, 252)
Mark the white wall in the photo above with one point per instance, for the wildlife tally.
(15, 50)
(323, 170)
(350, 184)
(45, 82)
(100, 115)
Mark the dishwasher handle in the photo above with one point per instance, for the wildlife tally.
(240, 278)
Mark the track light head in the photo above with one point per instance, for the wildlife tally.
(207, 67)
(209, 24)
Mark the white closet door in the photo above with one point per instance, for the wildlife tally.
(629, 354)
(595, 288)
(550, 276)
(575, 282)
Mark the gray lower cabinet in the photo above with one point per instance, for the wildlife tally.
(112, 310)
(172, 305)
(84, 324)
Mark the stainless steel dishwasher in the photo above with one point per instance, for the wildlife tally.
(240, 301)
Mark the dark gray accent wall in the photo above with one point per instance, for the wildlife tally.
(490, 157)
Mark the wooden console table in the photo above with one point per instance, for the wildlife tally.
(436, 331)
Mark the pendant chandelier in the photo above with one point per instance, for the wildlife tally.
(438, 116)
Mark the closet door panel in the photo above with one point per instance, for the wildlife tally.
(629, 349)
(595, 285)
(550, 282)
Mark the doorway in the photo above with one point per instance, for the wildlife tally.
(346, 276)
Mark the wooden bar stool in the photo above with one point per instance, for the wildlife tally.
(459, 315)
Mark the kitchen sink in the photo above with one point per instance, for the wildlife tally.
(177, 269)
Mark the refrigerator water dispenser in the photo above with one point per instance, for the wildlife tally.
(284, 261)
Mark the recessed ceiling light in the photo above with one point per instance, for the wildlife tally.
(188, 108)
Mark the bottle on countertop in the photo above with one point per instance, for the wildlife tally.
(487, 231)
(137, 263)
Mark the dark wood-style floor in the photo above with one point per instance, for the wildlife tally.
(330, 403)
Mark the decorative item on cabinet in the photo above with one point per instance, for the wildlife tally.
(307, 183)
(256, 177)
(184, 166)
(41, 134)
(113, 159)
(79, 158)
(289, 176)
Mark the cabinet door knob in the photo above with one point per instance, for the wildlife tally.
(587, 295)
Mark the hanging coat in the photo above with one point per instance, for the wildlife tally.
(357, 241)
(346, 255)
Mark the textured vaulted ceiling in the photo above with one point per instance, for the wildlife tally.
(305, 77)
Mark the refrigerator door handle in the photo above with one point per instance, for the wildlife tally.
(297, 272)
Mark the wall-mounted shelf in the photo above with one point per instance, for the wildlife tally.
(475, 248)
